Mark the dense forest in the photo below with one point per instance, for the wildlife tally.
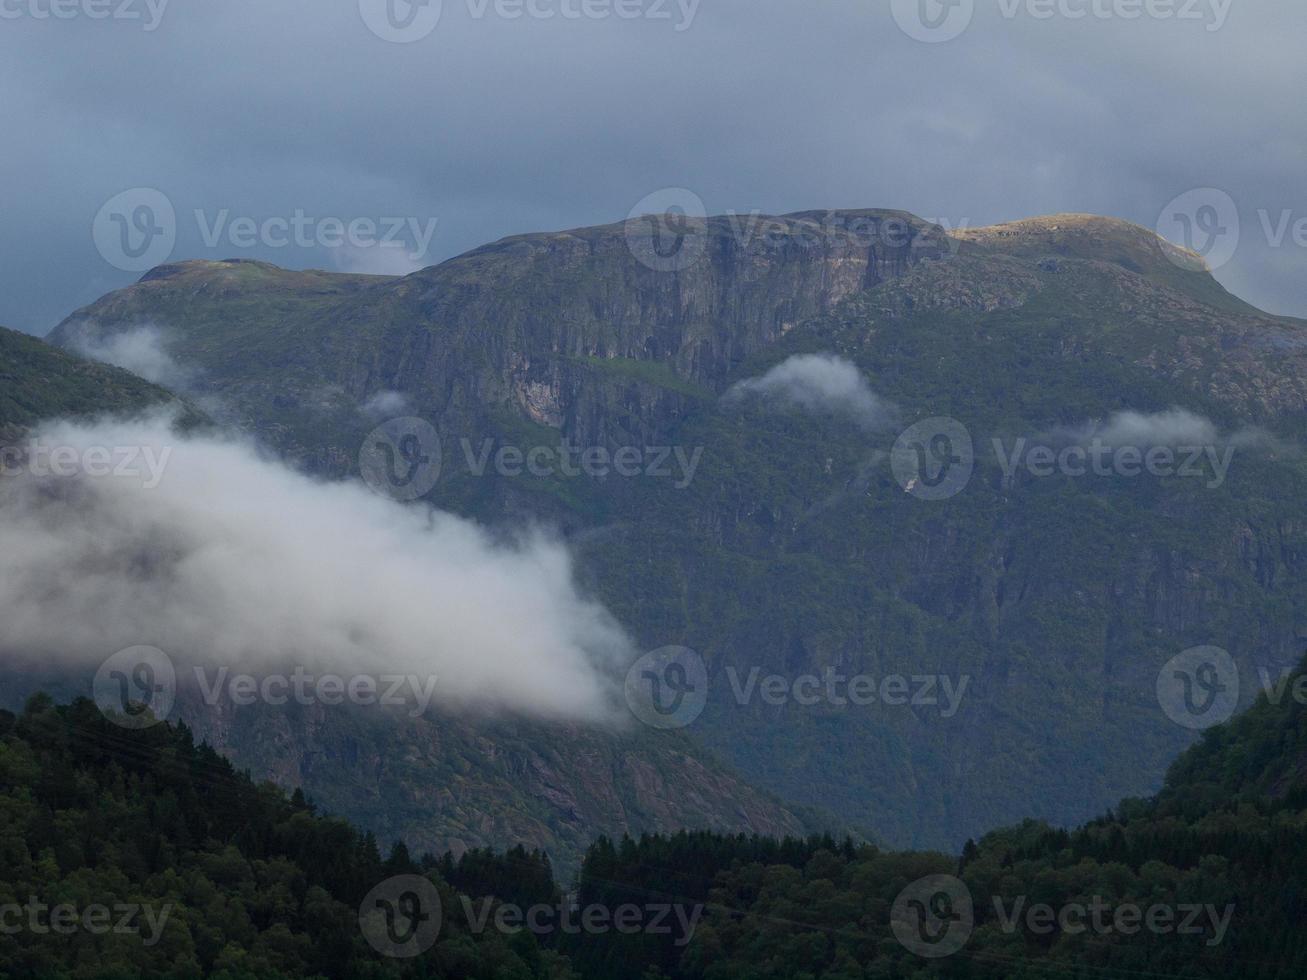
(204, 873)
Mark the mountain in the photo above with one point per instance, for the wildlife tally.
(38, 381)
(440, 781)
(1049, 603)
(446, 781)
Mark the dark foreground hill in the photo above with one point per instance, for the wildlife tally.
(214, 875)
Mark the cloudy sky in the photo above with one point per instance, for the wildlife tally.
(469, 120)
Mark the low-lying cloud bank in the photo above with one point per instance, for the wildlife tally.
(818, 383)
(234, 560)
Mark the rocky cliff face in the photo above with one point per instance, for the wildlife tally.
(794, 550)
(444, 782)
(548, 326)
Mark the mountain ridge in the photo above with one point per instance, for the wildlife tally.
(575, 337)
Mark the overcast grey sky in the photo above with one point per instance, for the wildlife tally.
(496, 118)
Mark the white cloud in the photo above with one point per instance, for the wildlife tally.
(235, 560)
(1173, 427)
(377, 260)
(818, 383)
(385, 404)
(141, 350)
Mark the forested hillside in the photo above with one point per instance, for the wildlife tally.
(231, 879)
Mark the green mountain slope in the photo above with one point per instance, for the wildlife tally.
(442, 781)
(38, 381)
(1203, 880)
(794, 550)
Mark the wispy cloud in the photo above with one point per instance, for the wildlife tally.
(1173, 427)
(142, 350)
(385, 404)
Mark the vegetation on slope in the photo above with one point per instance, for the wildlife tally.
(38, 381)
(237, 880)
